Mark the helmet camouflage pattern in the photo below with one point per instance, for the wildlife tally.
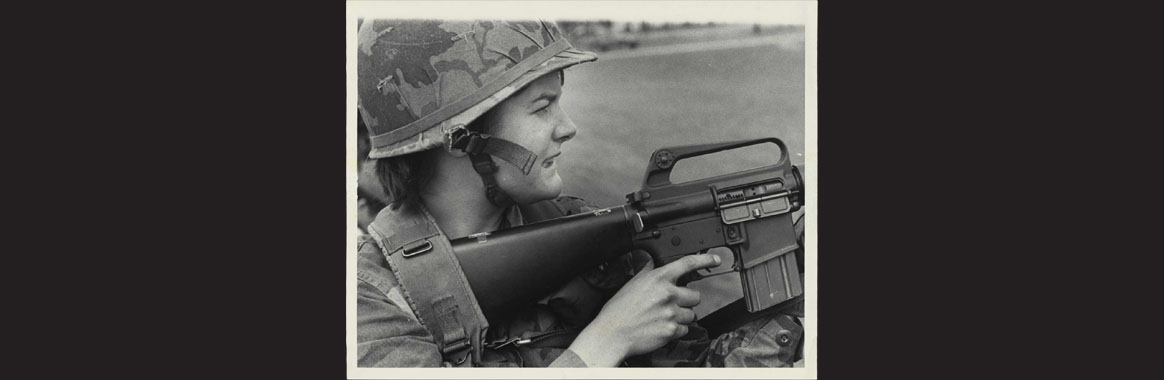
(418, 79)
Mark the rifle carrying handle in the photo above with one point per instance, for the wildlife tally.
(664, 159)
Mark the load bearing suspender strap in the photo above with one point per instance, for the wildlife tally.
(444, 304)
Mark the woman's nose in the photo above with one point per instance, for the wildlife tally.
(565, 130)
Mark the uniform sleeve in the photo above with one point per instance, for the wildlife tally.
(387, 333)
(568, 359)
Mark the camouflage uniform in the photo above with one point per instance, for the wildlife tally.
(773, 338)
(420, 80)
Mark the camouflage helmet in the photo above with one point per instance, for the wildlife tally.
(420, 79)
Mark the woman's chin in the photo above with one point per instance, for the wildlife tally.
(542, 194)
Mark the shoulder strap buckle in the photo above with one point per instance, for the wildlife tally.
(416, 248)
(455, 346)
(465, 355)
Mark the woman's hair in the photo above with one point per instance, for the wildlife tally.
(363, 144)
(363, 147)
(403, 176)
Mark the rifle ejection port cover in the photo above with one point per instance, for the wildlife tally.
(736, 214)
(773, 206)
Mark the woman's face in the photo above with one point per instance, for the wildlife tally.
(533, 119)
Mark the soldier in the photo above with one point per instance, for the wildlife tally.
(466, 129)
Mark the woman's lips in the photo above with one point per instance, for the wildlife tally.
(550, 160)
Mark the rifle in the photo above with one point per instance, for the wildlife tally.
(749, 212)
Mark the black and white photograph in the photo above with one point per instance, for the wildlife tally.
(586, 187)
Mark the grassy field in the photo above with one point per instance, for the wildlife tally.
(659, 37)
(629, 107)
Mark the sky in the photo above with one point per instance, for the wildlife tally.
(763, 12)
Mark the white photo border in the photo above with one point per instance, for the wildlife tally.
(767, 12)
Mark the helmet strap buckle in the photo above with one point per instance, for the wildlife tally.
(455, 138)
(469, 142)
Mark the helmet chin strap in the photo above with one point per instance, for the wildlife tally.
(480, 148)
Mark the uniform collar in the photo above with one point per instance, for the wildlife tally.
(512, 218)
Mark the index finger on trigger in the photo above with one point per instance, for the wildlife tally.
(672, 271)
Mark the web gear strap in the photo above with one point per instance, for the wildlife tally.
(444, 305)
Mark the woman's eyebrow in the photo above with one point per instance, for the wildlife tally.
(551, 96)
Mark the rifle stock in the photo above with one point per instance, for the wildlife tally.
(518, 265)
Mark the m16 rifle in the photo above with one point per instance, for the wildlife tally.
(749, 212)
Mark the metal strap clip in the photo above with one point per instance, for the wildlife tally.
(453, 137)
(416, 248)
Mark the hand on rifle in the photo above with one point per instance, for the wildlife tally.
(649, 311)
